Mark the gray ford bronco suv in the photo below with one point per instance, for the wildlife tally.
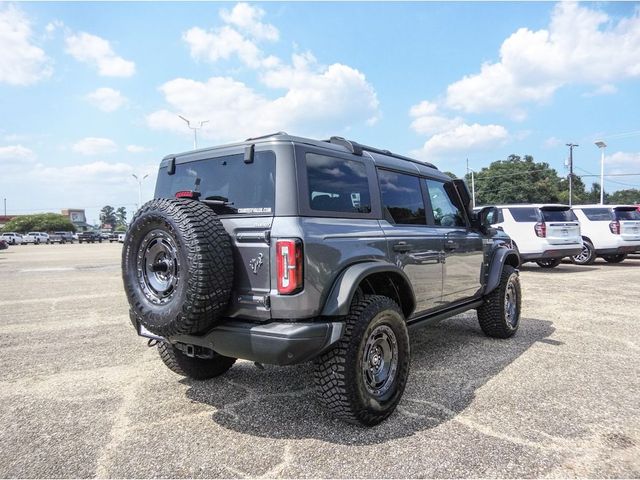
(283, 250)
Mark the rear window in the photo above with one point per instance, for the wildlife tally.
(558, 215)
(626, 214)
(597, 214)
(337, 185)
(525, 214)
(248, 188)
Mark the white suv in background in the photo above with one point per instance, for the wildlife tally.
(544, 234)
(40, 237)
(608, 231)
(12, 238)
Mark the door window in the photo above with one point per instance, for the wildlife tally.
(402, 198)
(445, 211)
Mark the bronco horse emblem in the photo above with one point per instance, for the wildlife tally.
(255, 264)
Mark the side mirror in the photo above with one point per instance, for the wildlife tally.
(484, 218)
(488, 216)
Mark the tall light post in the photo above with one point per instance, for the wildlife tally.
(195, 130)
(601, 145)
(139, 180)
(571, 147)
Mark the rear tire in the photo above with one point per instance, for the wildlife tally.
(549, 263)
(587, 256)
(614, 258)
(193, 367)
(499, 315)
(362, 378)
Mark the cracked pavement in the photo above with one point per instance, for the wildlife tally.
(82, 396)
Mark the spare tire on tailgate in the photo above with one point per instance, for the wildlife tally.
(177, 266)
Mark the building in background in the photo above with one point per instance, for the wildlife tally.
(77, 217)
(4, 219)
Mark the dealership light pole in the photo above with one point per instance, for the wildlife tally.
(571, 147)
(139, 180)
(195, 130)
(601, 145)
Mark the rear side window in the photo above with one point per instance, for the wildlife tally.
(337, 185)
(597, 214)
(626, 214)
(445, 212)
(525, 214)
(402, 198)
(552, 215)
(246, 188)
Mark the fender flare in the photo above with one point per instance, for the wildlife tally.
(345, 286)
(500, 258)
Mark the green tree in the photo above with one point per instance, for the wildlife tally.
(517, 180)
(630, 196)
(450, 174)
(108, 216)
(39, 222)
(121, 219)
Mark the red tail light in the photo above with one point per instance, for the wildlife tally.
(615, 227)
(188, 194)
(541, 229)
(289, 264)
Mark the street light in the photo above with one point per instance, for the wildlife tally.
(601, 145)
(139, 180)
(195, 130)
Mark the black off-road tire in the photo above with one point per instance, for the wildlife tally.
(549, 263)
(615, 258)
(200, 267)
(193, 367)
(587, 256)
(492, 314)
(339, 378)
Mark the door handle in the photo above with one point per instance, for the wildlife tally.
(401, 247)
(450, 245)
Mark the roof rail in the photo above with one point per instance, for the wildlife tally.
(353, 147)
(358, 148)
(265, 136)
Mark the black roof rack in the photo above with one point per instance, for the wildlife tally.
(357, 149)
(265, 136)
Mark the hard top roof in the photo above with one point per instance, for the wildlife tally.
(338, 144)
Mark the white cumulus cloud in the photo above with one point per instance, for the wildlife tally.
(232, 39)
(302, 96)
(21, 62)
(16, 154)
(97, 52)
(463, 138)
(106, 99)
(248, 19)
(94, 146)
(581, 45)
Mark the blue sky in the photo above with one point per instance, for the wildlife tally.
(89, 92)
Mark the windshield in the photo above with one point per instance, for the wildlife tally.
(246, 188)
(626, 214)
(558, 215)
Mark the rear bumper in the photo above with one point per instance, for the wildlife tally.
(551, 253)
(618, 250)
(278, 343)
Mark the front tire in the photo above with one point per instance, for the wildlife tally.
(499, 315)
(587, 256)
(362, 378)
(194, 367)
(549, 262)
(614, 258)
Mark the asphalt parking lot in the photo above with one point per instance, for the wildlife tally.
(82, 396)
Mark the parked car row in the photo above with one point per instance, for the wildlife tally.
(545, 234)
(36, 238)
